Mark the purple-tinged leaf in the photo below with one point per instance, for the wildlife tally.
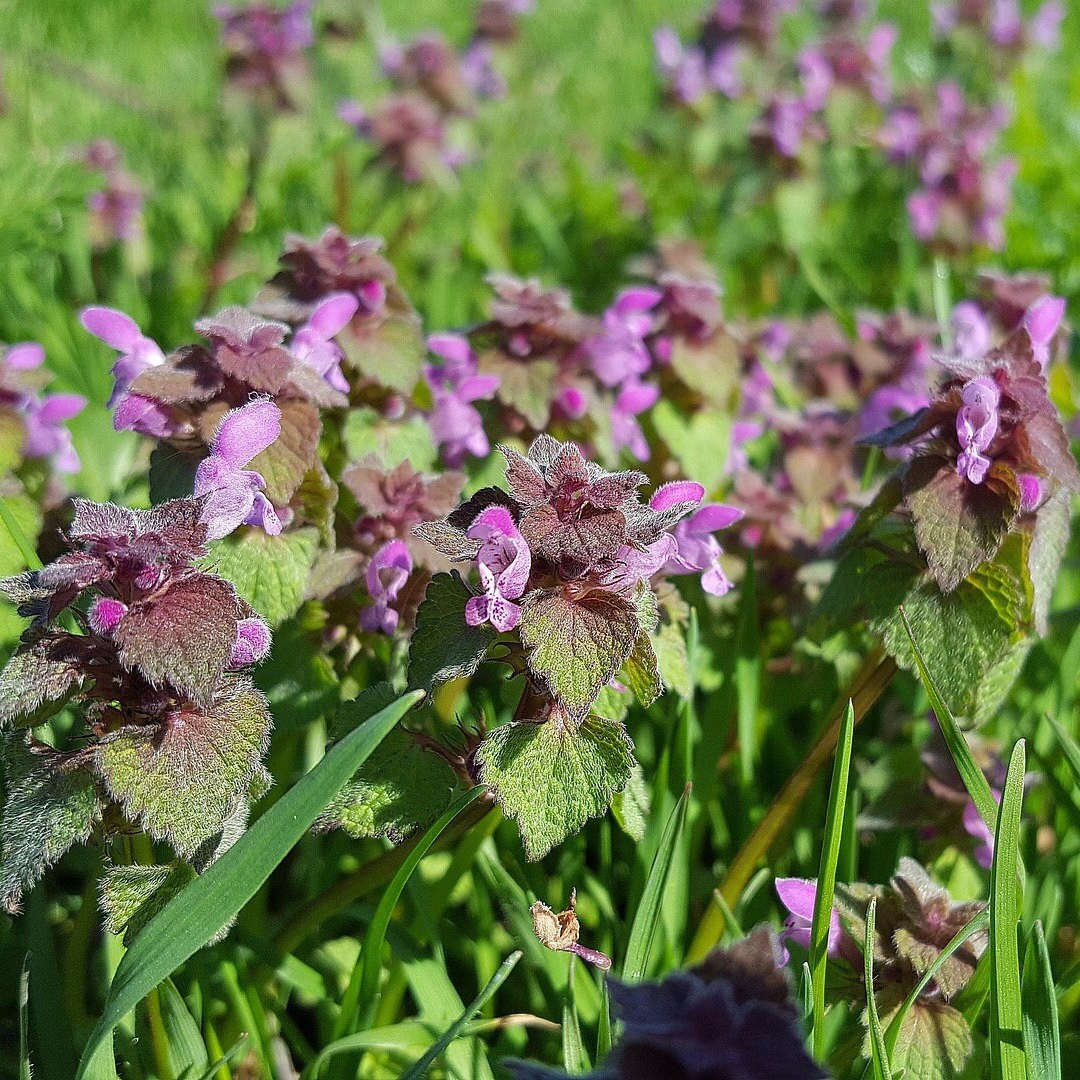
(39, 678)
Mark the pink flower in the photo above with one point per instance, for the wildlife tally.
(236, 495)
(634, 398)
(1041, 321)
(138, 353)
(798, 896)
(253, 639)
(696, 547)
(46, 436)
(976, 426)
(504, 563)
(455, 423)
(387, 573)
(619, 352)
(105, 614)
(313, 343)
(971, 331)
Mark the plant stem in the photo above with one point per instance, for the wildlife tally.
(367, 879)
(866, 687)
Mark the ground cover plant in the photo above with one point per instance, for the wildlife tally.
(536, 540)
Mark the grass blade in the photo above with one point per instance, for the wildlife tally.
(970, 773)
(1068, 745)
(359, 999)
(747, 675)
(879, 1055)
(1042, 1039)
(210, 902)
(643, 929)
(603, 1027)
(830, 856)
(421, 1067)
(25, 1071)
(1007, 1058)
(575, 1058)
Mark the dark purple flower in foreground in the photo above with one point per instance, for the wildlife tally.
(456, 425)
(235, 494)
(504, 563)
(387, 573)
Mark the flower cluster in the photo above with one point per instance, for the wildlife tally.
(36, 428)
(265, 46)
(731, 1016)
(1001, 22)
(116, 209)
(435, 87)
(175, 730)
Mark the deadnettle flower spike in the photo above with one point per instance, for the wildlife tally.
(798, 896)
(313, 343)
(976, 426)
(235, 495)
(387, 573)
(138, 353)
(504, 563)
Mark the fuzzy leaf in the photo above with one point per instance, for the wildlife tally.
(524, 385)
(184, 779)
(631, 805)
(711, 369)
(317, 498)
(443, 645)
(12, 438)
(959, 525)
(699, 445)
(48, 809)
(577, 645)
(641, 672)
(934, 1041)
(1047, 549)
(38, 680)
(390, 442)
(399, 789)
(672, 659)
(551, 778)
(184, 636)
(132, 895)
(391, 351)
(269, 572)
(285, 462)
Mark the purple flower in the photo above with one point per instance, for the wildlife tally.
(817, 77)
(785, 123)
(1041, 321)
(619, 352)
(235, 494)
(138, 353)
(683, 70)
(252, 645)
(1044, 29)
(46, 436)
(975, 827)
(313, 343)
(504, 563)
(634, 398)
(723, 72)
(387, 573)
(1006, 25)
(696, 547)
(105, 614)
(971, 331)
(798, 896)
(455, 423)
(976, 426)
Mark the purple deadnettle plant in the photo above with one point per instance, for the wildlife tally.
(171, 730)
(565, 559)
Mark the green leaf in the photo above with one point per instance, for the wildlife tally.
(934, 1043)
(25, 1069)
(575, 1056)
(269, 572)
(421, 1067)
(577, 644)
(1069, 747)
(524, 385)
(641, 673)
(748, 678)
(972, 776)
(132, 895)
(390, 351)
(958, 525)
(1048, 541)
(1042, 1038)
(700, 444)
(47, 810)
(672, 659)
(183, 1046)
(879, 1055)
(1006, 1002)
(390, 441)
(443, 645)
(183, 779)
(316, 498)
(172, 473)
(37, 682)
(210, 902)
(647, 915)
(286, 461)
(631, 805)
(551, 778)
(830, 855)
(12, 439)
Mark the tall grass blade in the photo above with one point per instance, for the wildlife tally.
(1068, 745)
(879, 1055)
(209, 903)
(747, 675)
(1042, 1037)
(25, 1071)
(420, 1068)
(575, 1057)
(826, 888)
(1007, 1058)
(647, 916)
(970, 773)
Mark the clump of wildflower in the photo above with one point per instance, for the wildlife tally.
(174, 729)
(39, 419)
(265, 46)
(732, 1015)
(116, 209)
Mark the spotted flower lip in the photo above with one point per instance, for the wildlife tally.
(234, 494)
(386, 575)
(976, 426)
(504, 563)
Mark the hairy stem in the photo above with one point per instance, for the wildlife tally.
(866, 687)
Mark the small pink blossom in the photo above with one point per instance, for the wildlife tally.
(387, 573)
(455, 423)
(798, 895)
(1041, 321)
(105, 615)
(976, 426)
(252, 645)
(314, 345)
(633, 399)
(504, 562)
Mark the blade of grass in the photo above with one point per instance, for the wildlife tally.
(970, 773)
(421, 1067)
(643, 928)
(575, 1057)
(25, 1070)
(806, 992)
(603, 1027)
(830, 855)
(1007, 1058)
(879, 1055)
(358, 1002)
(1068, 745)
(209, 903)
(747, 675)
(18, 537)
(1042, 1038)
